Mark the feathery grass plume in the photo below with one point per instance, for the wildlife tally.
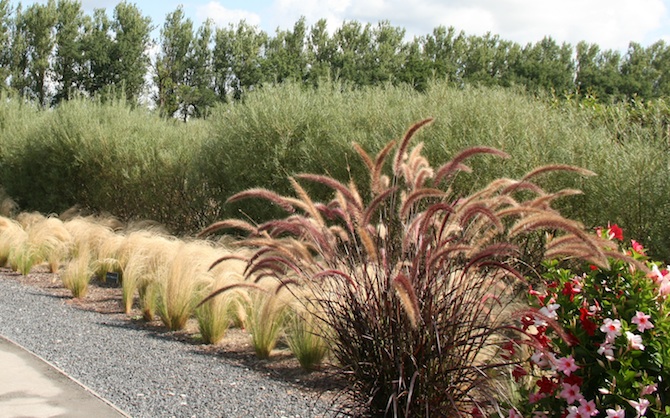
(187, 278)
(265, 321)
(108, 257)
(215, 315)
(78, 273)
(305, 339)
(20, 255)
(88, 233)
(27, 219)
(413, 282)
(143, 257)
(11, 234)
(23, 256)
(51, 241)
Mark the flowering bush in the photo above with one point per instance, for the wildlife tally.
(599, 339)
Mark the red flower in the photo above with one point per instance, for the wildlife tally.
(573, 379)
(593, 268)
(527, 321)
(509, 347)
(588, 325)
(571, 288)
(613, 231)
(518, 373)
(546, 385)
(543, 340)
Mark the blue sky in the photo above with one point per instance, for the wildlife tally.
(612, 24)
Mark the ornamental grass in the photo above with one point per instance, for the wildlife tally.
(413, 280)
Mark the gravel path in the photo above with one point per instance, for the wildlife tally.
(138, 371)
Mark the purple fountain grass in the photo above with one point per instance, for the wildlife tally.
(413, 284)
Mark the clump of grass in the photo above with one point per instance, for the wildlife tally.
(214, 317)
(306, 340)
(51, 242)
(413, 281)
(187, 278)
(265, 321)
(22, 257)
(143, 257)
(78, 273)
(11, 234)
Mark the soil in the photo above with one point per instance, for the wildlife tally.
(235, 346)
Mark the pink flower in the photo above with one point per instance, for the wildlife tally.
(513, 413)
(637, 247)
(540, 414)
(640, 406)
(571, 393)
(567, 365)
(549, 311)
(535, 397)
(573, 412)
(611, 327)
(587, 408)
(642, 321)
(634, 341)
(649, 389)
(657, 275)
(664, 289)
(606, 350)
(616, 413)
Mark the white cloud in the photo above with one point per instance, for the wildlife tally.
(609, 23)
(222, 17)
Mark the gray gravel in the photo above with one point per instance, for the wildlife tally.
(138, 371)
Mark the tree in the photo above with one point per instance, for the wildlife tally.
(238, 57)
(286, 54)
(546, 66)
(68, 60)
(351, 62)
(386, 54)
(39, 22)
(97, 46)
(129, 56)
(479, 58)
(171, 63)
(5, 47)
(321, 49)
(416, 69)
(638, 75)
(18, 60)
(598, 72)
(446, 51)
(196, 96)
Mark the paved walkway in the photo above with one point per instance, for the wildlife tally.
(31, 387)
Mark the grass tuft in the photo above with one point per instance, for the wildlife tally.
(78, 273)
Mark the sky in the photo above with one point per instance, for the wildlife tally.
(612, 24)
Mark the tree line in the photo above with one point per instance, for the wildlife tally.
(51, 52)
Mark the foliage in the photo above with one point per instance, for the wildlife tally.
(610, 350)
(412, 280)
(215, 316)
(307, 344)
(180, 289)
(264, 321)
(78, 273)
